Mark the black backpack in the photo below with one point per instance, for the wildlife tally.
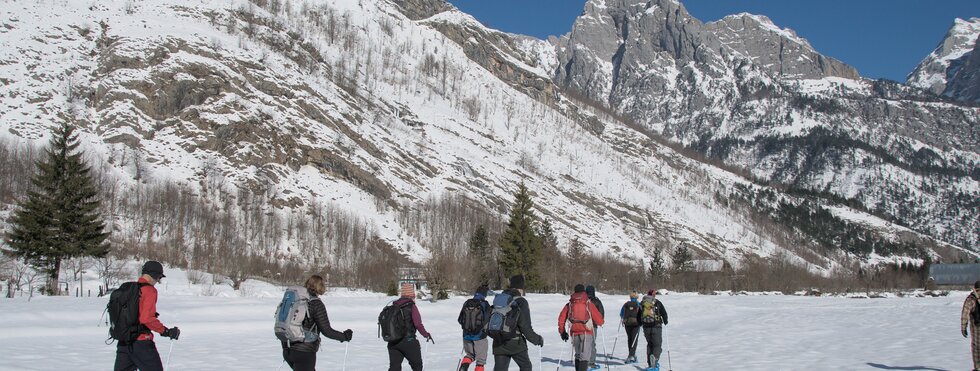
(393, 322)
(630, 313)
(474, 316)
(124, 312)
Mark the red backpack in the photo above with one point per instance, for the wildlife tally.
(578, 311)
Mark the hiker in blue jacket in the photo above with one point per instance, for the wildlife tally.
(473, 317)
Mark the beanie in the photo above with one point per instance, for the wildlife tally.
(408, 290)
(590, 290)
(517, 282)
(652, 292)
(580, 288)
(482, 290)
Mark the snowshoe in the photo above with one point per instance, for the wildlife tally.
(594, 367)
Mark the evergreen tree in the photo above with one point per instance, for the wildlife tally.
(479, 246)
(681, 259)
(59, 219)
(658, 267)
(551, 257)
(520, 245)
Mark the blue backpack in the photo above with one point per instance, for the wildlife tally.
(503, 318)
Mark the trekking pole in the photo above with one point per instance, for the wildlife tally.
(604, 349)
(346, 351)
(669, 367)
(171, 351)
(616, 338)
(560, 357)
(460, 363)
(541, 358)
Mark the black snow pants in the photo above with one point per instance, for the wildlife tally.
(299, 361)
(655, 342)
(502, 362)
(408, 348)
(141, 354)
(632, 338)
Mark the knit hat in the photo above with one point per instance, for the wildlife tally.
(482, 290)
(590, 290)
(408, 290)
(652, 292)
(154, 269)
(517, 282)
(580, 288)
(634, 295)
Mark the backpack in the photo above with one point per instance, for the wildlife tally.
(124, 312)
(393, 322)
(630, 311)
(503, 318)
(975, 313)
(473, 316)
(650, 316)
(578, 312)
(291, 313)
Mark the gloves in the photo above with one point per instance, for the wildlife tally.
(564, 336)
(540, 341)
(429, 339)
(965, 334)
(172, 333)
(348, 334)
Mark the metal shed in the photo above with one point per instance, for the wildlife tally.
(954, 274)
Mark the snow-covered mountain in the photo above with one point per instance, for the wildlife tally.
(948, 70)
(375, 107)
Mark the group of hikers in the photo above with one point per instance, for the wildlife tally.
(302, 317)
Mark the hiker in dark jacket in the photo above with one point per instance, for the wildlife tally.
(629, 314)
(408, 347)
(302, 355)
(142, 354)
(653, 327)
(475, 344)
(516, 348)
(590, 290)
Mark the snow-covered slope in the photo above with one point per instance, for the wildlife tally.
(374, 107)
(940, 67)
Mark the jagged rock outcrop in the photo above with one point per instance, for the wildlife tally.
(779, 51)
(965, 84)
(940, 67)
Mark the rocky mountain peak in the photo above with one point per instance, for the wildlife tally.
(936, 71)
(779, 50)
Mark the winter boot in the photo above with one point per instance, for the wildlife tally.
(465, 364)
(581, 365)
(594, 367)
(479, 368)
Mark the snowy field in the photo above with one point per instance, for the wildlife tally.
(226, 331)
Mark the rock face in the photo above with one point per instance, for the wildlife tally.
(965, 84)
(939, 69)
(780, 51)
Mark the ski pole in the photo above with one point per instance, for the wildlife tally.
(171, 351)
(540, 357)
(346, 350)
(669, 367)
(560, 357)
(604, 349)
(280, 365)
(461, 351)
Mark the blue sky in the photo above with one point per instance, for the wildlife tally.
(881, 38)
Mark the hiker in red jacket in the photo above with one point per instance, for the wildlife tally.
(142, 354)
(584, 317)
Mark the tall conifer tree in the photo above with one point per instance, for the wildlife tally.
(60, 218)
(520, 245)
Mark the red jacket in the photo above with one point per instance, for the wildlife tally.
(148, 310)
(580, 328)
